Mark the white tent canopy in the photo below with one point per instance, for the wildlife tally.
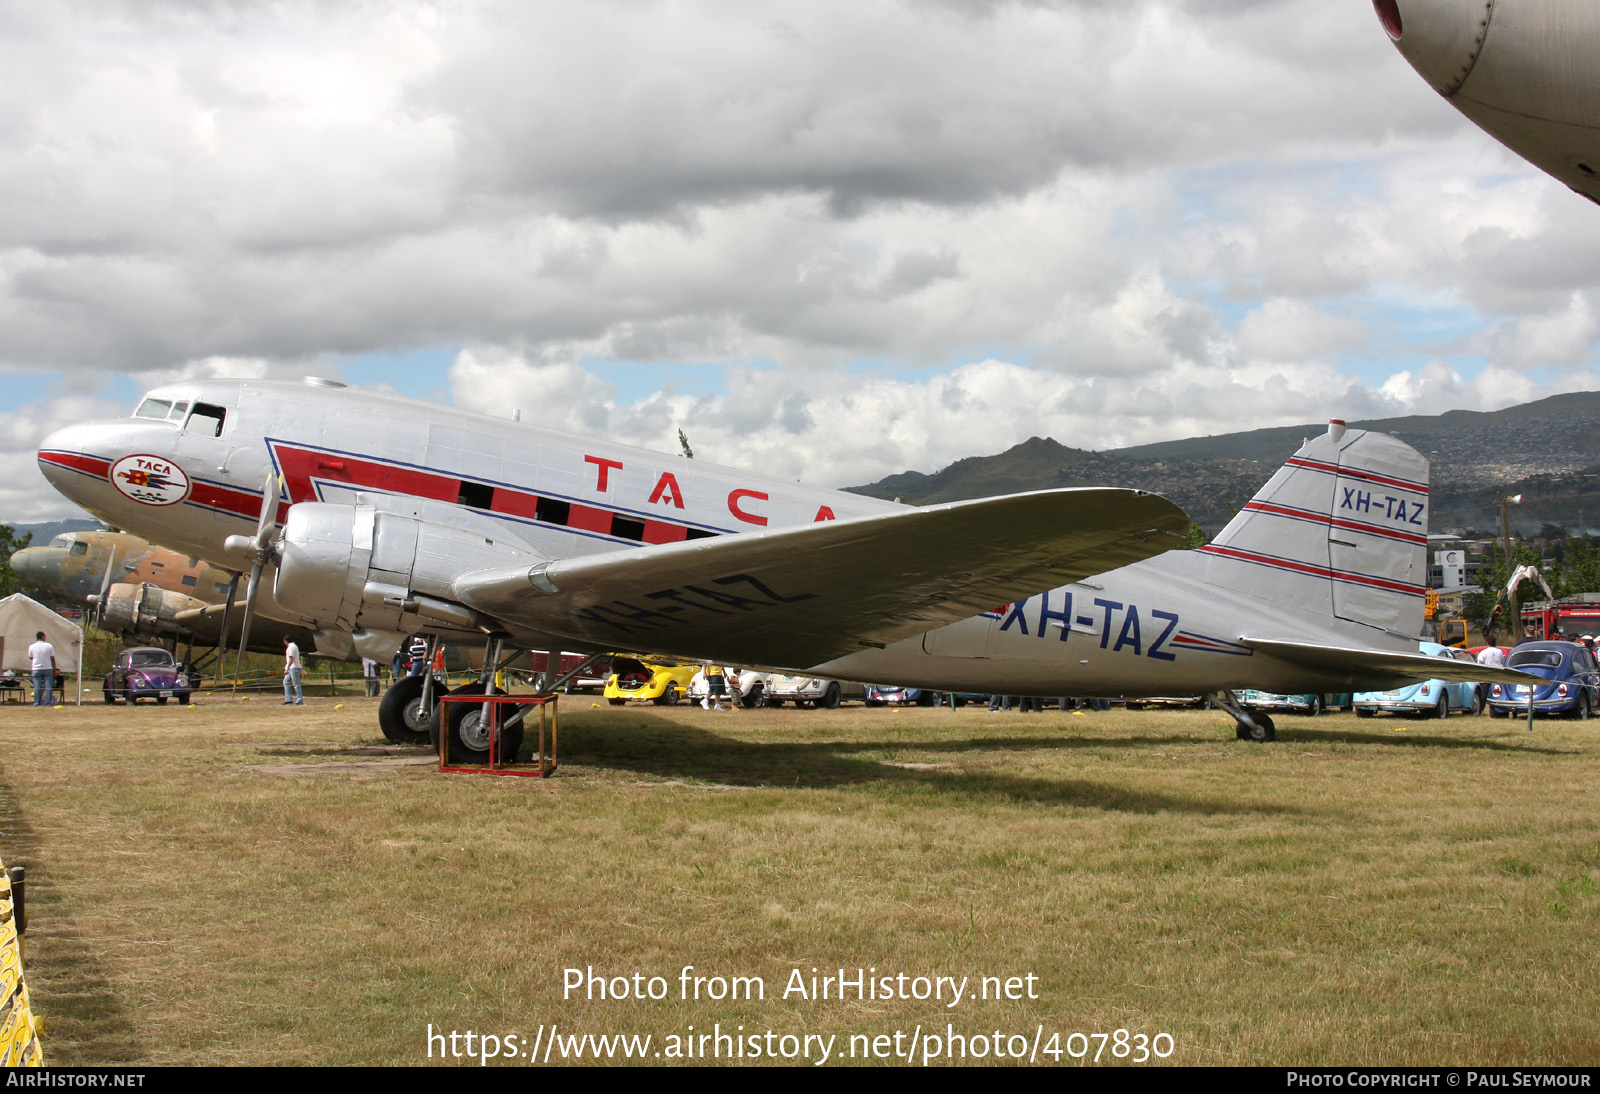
(23, 617)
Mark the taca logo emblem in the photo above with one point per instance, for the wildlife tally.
(150, 480)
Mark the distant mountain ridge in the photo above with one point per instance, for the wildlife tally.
(1548, 450)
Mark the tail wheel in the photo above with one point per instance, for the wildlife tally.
(401, 715)
(1262, 731)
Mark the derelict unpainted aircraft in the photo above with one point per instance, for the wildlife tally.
(1524, 71)
(384, 516)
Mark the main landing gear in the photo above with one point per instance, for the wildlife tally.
(1252, 725)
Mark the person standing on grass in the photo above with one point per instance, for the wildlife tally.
(42, 657)
(292, 667)
(369, 673)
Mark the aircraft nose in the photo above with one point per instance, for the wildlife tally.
(29, 563)
(62, 454)
(1441, 39)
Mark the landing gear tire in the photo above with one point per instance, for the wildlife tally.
(466, 728)
(401, 715)
(1262, 731)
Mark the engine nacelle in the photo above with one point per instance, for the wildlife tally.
(144, 609)
(387, 566)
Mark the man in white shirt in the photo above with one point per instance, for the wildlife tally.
(291, 674)
(42, 658)
(369, 673)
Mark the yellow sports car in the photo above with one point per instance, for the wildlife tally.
(659, 682)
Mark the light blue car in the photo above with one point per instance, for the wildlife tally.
(1431, 698)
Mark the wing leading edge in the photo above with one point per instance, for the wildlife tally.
(797, 597)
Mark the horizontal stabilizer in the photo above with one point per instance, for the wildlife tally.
(1379, 670)
(798, 596)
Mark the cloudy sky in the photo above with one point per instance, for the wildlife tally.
(827, 240)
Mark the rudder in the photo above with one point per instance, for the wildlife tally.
(1341, 529)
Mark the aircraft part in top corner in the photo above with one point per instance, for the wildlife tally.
(1522, 70)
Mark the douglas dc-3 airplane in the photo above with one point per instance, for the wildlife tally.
(1523, 70)
(141, 591)
(399, 517)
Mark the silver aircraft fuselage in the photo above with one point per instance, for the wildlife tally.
(191, 476)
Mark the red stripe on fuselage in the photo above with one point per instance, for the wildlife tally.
(77, 461)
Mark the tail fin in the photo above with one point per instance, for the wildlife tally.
(1341, 529)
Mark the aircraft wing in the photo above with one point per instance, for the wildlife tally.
(1383, 669)
(797, 597)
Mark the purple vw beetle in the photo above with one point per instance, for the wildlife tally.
(146, 672)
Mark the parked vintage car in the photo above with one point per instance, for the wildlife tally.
(1574, 686)
(809, 691)
(653, 681)
(1310, 704)
(879, 695)
(747, 687)
(1431, 698)
(146, 672)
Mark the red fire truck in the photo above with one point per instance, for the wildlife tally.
(1567, 618)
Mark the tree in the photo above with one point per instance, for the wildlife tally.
(9, 544)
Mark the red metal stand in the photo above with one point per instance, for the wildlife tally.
(542, 764)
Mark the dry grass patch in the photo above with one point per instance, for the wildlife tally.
(256, 884)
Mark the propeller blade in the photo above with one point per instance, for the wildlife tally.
(105, 586)
(269, 511)
(263, 551)
(244, 624)
(227, 609)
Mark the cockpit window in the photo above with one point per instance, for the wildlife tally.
(63, 540)
(153, 408)
(80, 548)
(207, 420)
(172, 410)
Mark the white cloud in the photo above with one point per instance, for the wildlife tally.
(1169, 215)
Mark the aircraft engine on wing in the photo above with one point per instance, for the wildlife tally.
(144, 609)
(387, 566)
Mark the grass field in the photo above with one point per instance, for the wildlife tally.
(251, 883)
